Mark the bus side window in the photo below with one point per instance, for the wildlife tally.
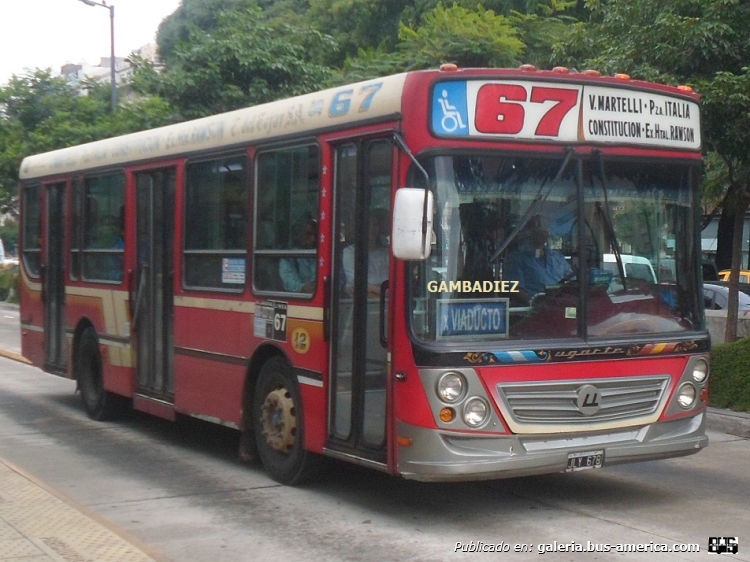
(286, 213)
(32, 228)
(215, 224)
(104, 200)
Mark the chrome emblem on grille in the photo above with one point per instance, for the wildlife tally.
(589, 400)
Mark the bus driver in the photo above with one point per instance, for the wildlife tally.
(534, 264)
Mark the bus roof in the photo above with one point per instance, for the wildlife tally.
(614, 111)
(307, 113)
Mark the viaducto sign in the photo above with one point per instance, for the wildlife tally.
(531, 110)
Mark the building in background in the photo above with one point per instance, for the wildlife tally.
(77, 74)
(709, 241)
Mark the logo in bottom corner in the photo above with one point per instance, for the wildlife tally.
(720, 545)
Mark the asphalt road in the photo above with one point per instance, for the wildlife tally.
(10, 329)
(179, 488)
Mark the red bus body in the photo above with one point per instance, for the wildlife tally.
(218, 330)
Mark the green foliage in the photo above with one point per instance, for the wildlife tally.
(39, 112)
(243, 60)
(715, 180)
(202, 14)
(730, 376)
(9, 282)
(357, 25)
(370, 63)
(468, 38)
(669, 40)
(539, 34)
(726, 120)
(9, 234)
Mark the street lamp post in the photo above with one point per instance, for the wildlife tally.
(113, 82)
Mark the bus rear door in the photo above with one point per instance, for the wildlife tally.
(153, 301)
(357, 422)
(54, 280)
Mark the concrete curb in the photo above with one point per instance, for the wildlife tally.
(15, 356)
(727, 421)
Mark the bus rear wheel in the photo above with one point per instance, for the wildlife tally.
(278, 425)
(99, 404)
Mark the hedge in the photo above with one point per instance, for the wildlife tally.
(8, 280)
(730, 376)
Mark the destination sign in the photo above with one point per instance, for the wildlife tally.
(532, 110)
(472, 318)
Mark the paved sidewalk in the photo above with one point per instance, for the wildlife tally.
(38, 524)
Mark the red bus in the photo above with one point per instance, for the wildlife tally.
(444, 275)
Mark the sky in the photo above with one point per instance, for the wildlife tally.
(51, 33)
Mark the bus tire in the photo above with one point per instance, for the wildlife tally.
(99, 404)
(278, 427)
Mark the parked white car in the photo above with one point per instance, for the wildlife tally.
(716, 297)
(636, 267)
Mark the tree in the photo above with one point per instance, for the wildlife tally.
(684, 41)
(357, 25)
(203, 14)
(39, 112)
(475, 37)
(468, 38)
(244, 60)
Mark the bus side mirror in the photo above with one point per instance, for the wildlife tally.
(407, 237)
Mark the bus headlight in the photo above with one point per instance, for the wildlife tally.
(476, 412)
(700, 371)
(686, 395)
(451, 387)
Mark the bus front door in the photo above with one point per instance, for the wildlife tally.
(359, 297)
(54, 280)
(153, 299)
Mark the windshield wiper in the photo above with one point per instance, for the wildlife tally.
(609, 227)
(531, 211)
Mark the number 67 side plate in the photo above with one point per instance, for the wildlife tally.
(585, 460)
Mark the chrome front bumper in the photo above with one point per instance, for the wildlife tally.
(439, 455)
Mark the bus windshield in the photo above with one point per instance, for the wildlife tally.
(547, 248)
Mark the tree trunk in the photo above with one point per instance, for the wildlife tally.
(724, 239)
(734, 277)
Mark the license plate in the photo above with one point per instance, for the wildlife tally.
(585, 460)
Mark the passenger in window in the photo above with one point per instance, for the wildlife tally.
(298, 274)
(119, 244)
(378, 257)
(534, 264)
(120, 241)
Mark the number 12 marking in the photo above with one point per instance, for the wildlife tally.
(498, 111)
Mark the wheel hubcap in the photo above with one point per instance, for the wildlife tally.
(278, 422)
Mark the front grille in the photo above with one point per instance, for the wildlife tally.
(557, 403)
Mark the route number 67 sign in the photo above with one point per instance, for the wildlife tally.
(565, 112)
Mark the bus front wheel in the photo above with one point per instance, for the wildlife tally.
(99, 404)
(278, 425)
